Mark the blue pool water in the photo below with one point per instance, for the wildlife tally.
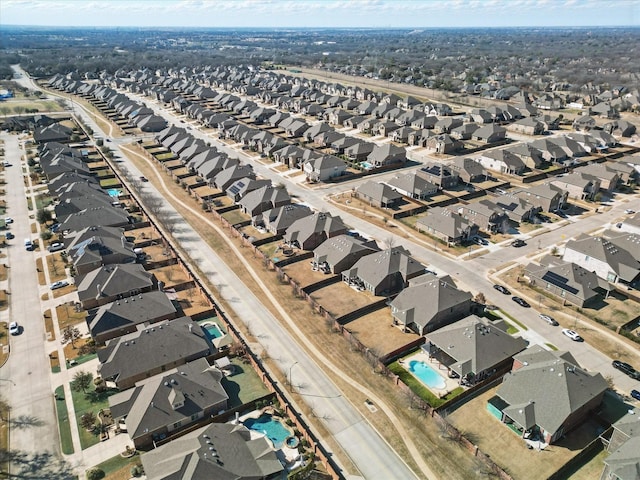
(272, 428)
(114, 192)
(213, 330)
(366, 165)
(426, 374)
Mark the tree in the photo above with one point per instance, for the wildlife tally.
(95, 474)
(88, 421)
(480, 298)
(18, 109)
(81, 381)
(5, 408)
(5, 110)
(43, 216)
(70, 334)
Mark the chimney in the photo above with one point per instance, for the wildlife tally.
(190, 328)
(99, 288)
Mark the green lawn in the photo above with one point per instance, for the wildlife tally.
(91, 401)
(418, 387)
(110, 183)
(63, 422)
(244, 385)
(118, 463)
(43, 200)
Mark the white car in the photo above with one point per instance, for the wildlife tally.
(14, 329)
(549, 320)
(58, 284)
(572, 335)
(8, 220)
(56, 247)
(628, 211)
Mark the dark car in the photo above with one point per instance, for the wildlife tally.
(626, 368)
(520, 301)
(635, 394)
(518, 243)
(480, 241)
(502, 289)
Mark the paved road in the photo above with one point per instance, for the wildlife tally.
(34, 427)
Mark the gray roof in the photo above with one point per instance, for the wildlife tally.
(376, 267)
(336, 249)
(305, 227)
(145, 307)
(624, 462)
(446, 222)
(380, 192)
(423, 301)
(619, 260)
(101, 249)
(190, 456)
(552, 385)
(106, 216)
(154, 402)
(280, 218)
(161, 344)
(111, 280)
(567, 276)
(412, 183)
(475, 344)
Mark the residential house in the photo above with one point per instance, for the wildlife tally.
(620, 128)
(123, 316)
(630, 224)
(450, 227)
(584, 123)
(225, 178)
(112, 282)
(95, 251)
(152, 350)
(568, 281)
(578, 185)
(488, 216)
(264, 198)
(445, 125)
(385, 272)
(547, 394)
(240, 188)
(309, 232)
(517, 208)
(378, 194)
(473, 348)
(464, 131)
(54, 132)
(359, 152)
(386, 154)
(623, 461)
(468, 170)
(278, 219)
(413, 186)
(430, 303)
(530, 156)
(324, 168)
(491, 133)
(572, 148)
(502, 161)
(605, 257)
(546, 196)
(340, 253)
(527, 126)
(609, 178)
(443, 144)
(237, 454)
(170, 402)
(440, 174)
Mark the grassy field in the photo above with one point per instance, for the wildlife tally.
(90, 401)
(63, 422)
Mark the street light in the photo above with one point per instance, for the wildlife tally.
(289, 376)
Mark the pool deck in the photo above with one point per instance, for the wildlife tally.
(449, 383)
(290, 454)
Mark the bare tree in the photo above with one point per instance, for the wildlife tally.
(70, 334)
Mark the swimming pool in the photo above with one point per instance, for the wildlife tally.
(426, 374)
(366, 165)
(213, 330)
(114, 192)
(274, 429)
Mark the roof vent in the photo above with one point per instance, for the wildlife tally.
(166, 384)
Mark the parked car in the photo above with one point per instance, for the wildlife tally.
(518, 243)
(6, 164)
(58, 284)
(9, 235)
(14, 328)
(502, 289)
(54, 228)
(626, 368)
(56, 247)
(144, 179)
(635, 394)
(8, 220)
(549, 320)
(520, 301)
(628, 211)
(480, 241)
(572, 335)
(491, 307)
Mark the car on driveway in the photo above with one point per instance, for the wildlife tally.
(502, 289)
(14, 328)
(572, 335)
(9, 235)
(549, 320)
(626, 368)
(521, 301)
(56, 247)
(518, 243)
(480, 241)
(8, 220)
(635, 394)
(58, 284)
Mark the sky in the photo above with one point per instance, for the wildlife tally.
(320, 13)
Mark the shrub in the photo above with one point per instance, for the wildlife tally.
(95, 474)
(137, 471)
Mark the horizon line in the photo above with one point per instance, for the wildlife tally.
(185, 27)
